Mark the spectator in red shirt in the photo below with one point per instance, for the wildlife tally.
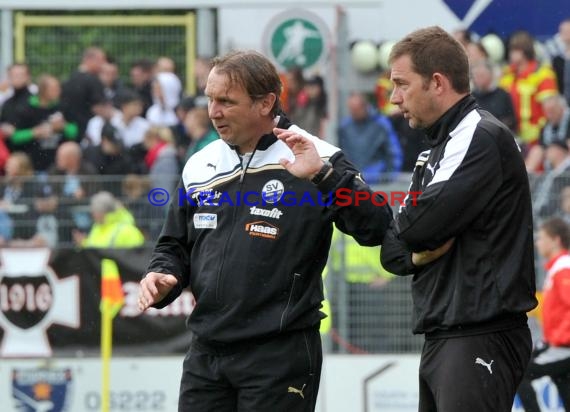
(552, 358)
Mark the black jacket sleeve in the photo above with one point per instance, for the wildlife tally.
(171, 253)
(367, 220)
(395, 255)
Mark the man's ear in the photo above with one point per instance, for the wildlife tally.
(441, 82)
(267, 102)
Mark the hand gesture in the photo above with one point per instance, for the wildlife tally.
(43, 131)
(307, 161)
(57, 122)
(154, 287)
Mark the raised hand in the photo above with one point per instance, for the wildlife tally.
(307, 161)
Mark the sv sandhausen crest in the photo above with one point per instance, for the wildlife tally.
(32, 298)
(41, 390)
(272, 191)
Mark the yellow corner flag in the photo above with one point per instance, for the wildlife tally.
(112, 296)
(112, 299)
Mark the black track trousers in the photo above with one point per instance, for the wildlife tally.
(271, 375)
(478, 373)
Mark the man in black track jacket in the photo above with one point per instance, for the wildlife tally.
(467, 239)
(249, 233)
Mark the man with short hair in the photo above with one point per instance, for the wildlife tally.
(11, 110)
(140, 75)
(467, 239)
(41, 126)
(254, 263)
(556, 128)
(369, 141)
(83, 94)
(552, 357)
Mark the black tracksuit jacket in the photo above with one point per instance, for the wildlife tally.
(255, 270)
(474, 189)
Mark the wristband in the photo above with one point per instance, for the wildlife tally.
(319, 177)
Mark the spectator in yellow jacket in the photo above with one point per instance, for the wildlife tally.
(113, 225)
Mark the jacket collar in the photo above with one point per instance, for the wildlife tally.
(439, 131)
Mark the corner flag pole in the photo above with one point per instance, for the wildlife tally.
(112, 299)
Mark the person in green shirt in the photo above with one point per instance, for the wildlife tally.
(199, 130)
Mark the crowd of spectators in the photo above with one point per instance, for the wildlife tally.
(78, 156)
(63, 141)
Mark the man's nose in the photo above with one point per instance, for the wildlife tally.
(396, 96)
(214, 111)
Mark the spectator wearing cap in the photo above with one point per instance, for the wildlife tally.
(199, 130)
(547, 195)
(113, 225)
(557, 128)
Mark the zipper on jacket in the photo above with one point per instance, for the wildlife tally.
(233, 223)
(284, 314)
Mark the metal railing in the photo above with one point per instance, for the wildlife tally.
(367, 317)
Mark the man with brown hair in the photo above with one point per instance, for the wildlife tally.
(528, 81)
(254, 264)
(467, 239)
(552, 357)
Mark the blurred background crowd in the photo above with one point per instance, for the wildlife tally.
(80, 152)
(58, 137)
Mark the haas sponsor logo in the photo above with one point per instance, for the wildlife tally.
(262, 229)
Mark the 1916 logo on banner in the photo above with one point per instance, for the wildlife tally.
(32, 298)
